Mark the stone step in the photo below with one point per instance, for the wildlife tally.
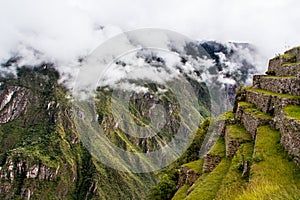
(190, 172)
(284, 65)
(294, 51)
(289, 125)
(269, 102)
(287, 64)
(214, 156)
(235, 135)
(251, 118)
(279, 84)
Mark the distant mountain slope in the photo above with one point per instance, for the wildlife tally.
(41, 154)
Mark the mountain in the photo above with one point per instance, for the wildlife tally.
(42, 154)
(255, 151)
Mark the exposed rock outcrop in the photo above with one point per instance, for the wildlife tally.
(41, 156)
(13, 102)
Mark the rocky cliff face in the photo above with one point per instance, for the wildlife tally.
(14, 101)
(41, 156)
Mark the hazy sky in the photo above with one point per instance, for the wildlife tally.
(64, 30)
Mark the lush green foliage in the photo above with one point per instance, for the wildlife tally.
(190, 156)
(164, 190)
(45, 135)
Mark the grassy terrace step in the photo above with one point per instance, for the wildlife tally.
(196, 165)
(293, 112)
(234, 181)
(190, 172)
(220, 184)
(242, 105)
(286, 69)
(294, 51)
(181, 193)
(214, 156)
(235, 135)
(270, 102)
(219, 148)
(251, 118)
(279, 84)
(285, 65)
(207, 186)
(273, 175)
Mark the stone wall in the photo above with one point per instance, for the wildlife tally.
(290, 136)
(279, 84)
(294, 51)
(210, 162)
(284, 66)
(187, 176)
(231, 144)
(270, 104)
(252, 122)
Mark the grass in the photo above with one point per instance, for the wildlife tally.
(219, 148)
(238, 132)
(286, 56)
(196, 165)
(245, 104)
(290, 64)
(226, 116)
(273, 175)
(287, 77)
(181, 193)
(266, 92)
(257, 113)
(206, 187)
(293, 112)
(233, 182)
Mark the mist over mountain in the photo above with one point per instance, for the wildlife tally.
(149, 99)
(206, 61)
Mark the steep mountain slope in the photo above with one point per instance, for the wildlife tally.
(41, 154)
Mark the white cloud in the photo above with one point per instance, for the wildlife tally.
(64, 30)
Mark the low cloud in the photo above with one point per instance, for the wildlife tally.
(64, 31)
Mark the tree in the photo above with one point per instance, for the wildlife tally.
(164, 190)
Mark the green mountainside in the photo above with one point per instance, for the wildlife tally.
(253, 152)
(41, 153)
(41, 156)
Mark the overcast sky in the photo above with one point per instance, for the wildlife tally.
(64, 30)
